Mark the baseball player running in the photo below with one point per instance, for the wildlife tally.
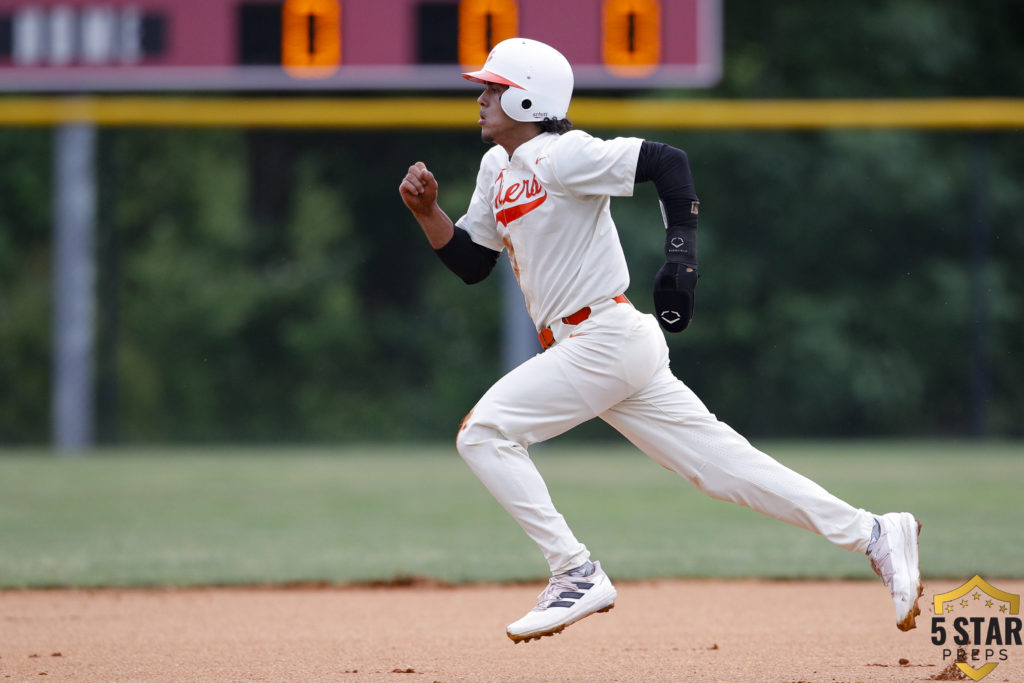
(542, 195)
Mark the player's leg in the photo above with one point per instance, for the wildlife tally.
(668, 422)
(549, 394)
(534, 402)
(524, 407)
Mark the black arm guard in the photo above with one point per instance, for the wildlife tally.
(467, 259)
(676, 281)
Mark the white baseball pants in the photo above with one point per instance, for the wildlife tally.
(615, 365)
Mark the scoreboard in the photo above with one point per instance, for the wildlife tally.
(252, 45)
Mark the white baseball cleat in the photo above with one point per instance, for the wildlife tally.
(894, 558)
(568, 598)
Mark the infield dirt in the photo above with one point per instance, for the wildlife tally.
(692, 630)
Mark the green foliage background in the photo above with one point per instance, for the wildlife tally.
(270, 286)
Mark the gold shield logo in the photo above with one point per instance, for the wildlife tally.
(976, 623)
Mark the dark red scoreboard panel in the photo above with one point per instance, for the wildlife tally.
(75, 45)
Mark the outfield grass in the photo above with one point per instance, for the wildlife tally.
(188, 516)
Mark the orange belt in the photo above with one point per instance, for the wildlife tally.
(547, 337)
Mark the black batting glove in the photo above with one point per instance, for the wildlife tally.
(674, 286)
(675, 282)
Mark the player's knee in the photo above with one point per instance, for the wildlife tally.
(466, 438)
(473, 437)
(461, 436)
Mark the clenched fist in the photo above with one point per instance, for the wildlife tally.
(419, 189)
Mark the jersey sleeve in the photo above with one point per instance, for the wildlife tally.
(585, 165)
(478, 220)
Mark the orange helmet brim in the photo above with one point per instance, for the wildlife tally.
(484, 76)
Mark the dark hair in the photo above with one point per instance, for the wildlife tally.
(555, 126)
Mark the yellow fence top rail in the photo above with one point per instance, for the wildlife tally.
(461, 112)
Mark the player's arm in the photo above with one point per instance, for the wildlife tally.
(674, 285)
(470, 261)
(453, 245)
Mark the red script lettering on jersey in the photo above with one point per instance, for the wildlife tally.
(524, 189)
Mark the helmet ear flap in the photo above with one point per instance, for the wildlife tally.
(518, 104)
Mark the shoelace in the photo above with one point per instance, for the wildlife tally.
(556, 586)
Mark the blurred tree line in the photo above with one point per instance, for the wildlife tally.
(270, 286)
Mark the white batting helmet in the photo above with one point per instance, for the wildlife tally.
(539, 79)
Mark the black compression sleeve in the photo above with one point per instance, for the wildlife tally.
(467, 259)
(669, 168)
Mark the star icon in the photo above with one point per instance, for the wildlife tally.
(988, 603)
(964, 603)
(976, 596)
(949, 608)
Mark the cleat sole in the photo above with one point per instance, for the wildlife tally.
(555, 631)
(909, 622)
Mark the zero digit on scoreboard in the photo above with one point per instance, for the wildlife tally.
(482, 25)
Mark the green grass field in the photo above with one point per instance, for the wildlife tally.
(188, 516)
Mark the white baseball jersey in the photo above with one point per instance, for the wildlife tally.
(549, 206)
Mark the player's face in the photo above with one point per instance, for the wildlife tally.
(495, 124)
